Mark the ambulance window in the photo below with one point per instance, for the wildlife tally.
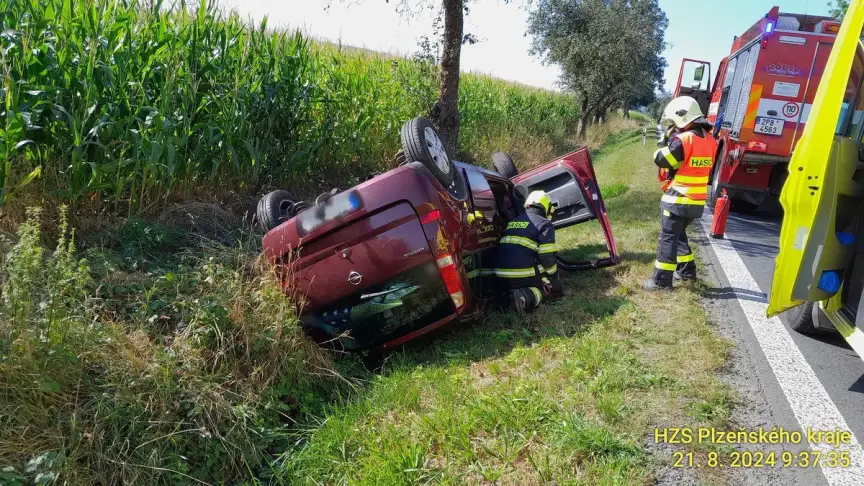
(851, 120)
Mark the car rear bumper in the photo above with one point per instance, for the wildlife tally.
(419, 332)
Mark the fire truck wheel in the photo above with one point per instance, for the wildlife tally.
(714, 190)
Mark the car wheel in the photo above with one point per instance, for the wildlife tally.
(275, 208)
(503, 163)
(421, 143)
(801, 319)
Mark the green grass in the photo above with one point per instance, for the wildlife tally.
(131, 103)
(568, 394)
(163, 353)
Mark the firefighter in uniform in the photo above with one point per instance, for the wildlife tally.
(526, 255)
(685, 165)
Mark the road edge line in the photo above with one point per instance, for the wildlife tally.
(807, 397)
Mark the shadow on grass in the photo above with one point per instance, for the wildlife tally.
(598, 250)
(496, 331)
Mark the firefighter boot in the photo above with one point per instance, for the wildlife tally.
(518, 301)
(524, 299)
(661, 280)
(686, 271)
(651, 286)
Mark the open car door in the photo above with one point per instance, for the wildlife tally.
(823, 193)
(695, 82)
(572, 185)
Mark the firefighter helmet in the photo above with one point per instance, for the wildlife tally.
(541, 199)
(682, 111)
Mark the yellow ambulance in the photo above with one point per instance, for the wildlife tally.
(819, 272)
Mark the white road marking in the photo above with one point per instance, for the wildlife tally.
(808, 399)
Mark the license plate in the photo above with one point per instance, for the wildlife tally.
(768, 126)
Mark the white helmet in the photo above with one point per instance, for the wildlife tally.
(682, 111)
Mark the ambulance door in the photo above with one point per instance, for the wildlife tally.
(823, 194)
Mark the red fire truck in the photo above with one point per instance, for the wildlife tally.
(760, 100)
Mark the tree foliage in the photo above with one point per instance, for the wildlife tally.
(837, 8)
(655, 108)
(609, 50)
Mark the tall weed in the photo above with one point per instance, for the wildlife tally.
(193, 370)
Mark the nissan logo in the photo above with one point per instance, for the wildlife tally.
(354, 278)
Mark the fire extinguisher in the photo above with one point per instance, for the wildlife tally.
(721, 214)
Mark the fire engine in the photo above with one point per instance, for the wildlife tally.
(761, 97)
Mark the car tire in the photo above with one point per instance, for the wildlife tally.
(421, 143)
(275, 208)
(503, 163)
(801, 319)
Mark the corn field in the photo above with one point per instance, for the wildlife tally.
(128, 102)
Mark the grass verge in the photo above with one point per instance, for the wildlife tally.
(161, 353)
(568, 394)
(160, 357)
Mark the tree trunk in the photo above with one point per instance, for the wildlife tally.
(446, 113)
(585, 117)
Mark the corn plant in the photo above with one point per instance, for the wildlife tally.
(131, 101)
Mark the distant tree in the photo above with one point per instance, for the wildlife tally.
(450, 30)
(837, 8)
(609, 51)
(661, 99)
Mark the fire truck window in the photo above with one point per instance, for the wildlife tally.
(730, 72)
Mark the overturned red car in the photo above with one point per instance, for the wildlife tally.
(403, 254)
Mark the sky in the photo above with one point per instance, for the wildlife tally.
(699, 30)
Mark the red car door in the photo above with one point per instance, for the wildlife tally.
(572, 185)
(484, 224)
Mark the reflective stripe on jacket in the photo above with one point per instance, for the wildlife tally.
(527, 252)
(690, 157)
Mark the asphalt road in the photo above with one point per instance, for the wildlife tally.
(839, 369)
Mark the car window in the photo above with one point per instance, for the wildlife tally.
(479, 185)
(503, 200)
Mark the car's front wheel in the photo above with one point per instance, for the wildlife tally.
(503, 163)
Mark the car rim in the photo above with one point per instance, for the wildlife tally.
(436, 151)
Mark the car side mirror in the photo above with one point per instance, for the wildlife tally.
(700, 73)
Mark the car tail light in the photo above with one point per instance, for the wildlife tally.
(757, 146)
(430, 216)
(447, 267)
